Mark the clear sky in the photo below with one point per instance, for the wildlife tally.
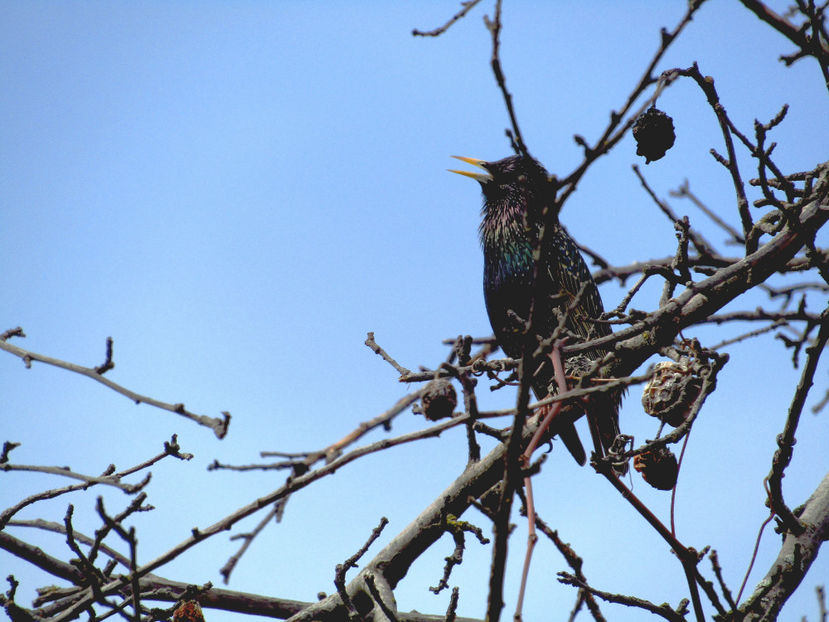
(238, 192)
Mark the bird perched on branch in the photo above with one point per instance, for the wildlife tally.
(519, 218)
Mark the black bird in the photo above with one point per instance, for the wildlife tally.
(517, 190)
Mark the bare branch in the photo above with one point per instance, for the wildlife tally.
(663, 611)
(613, 133)
(385, 355)
(219, 426)
(684, 191)
(786, 440)
(795, 557)
(494, 27)
(466, 6)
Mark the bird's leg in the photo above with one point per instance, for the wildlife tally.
(553, 409)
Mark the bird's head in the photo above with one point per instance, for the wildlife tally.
(516, 180)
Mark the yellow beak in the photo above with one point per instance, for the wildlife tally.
(480, 177)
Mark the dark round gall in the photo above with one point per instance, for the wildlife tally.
(658, 467)
(439, 399)
(654, 134)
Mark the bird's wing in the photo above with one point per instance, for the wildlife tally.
(571, 278)
(567, 271)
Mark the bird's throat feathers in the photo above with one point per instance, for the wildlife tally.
(506, 223)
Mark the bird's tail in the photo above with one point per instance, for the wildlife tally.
(603, 417)
(567, 433)
(573, 443)
(602, 410)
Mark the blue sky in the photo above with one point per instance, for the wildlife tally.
(238, 192)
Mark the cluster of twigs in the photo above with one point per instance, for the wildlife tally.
(698, 282)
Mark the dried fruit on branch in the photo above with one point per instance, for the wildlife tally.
(654, 134)
(658, 467)
(439, 399)
(188, 611)
(671, 391)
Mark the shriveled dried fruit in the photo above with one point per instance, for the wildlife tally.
(658, 467)
(670, 392)
(439, 399)
(188, 611)
(654, 133)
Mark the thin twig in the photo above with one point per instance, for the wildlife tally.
(494, 27)
(385, 355)
(466, 6)
(786, 440)
(219, 426)
(684, 191)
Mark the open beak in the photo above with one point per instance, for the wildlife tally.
(480, 177)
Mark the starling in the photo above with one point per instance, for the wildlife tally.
(517, 192)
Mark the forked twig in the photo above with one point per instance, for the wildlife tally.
(219, 426)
